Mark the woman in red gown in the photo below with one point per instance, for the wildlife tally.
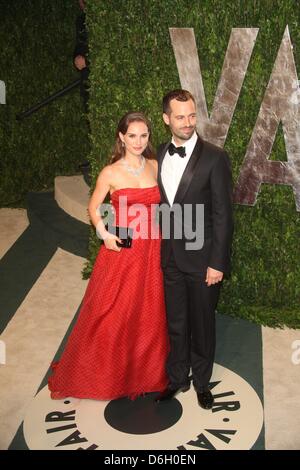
(119, 344)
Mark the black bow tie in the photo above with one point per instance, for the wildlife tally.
(180, 150)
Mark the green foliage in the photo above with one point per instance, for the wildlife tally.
(37, 40)
(133, 66)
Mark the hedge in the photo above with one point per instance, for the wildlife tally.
(37, 39)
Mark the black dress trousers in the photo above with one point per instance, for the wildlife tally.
(190, 306)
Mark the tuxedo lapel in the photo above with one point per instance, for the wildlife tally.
(160, 183)
(189, 172)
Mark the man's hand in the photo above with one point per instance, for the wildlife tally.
(79, 62)
(213, 276)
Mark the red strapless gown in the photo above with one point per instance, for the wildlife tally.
(119, 344)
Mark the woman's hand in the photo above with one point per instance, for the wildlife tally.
(110, 241)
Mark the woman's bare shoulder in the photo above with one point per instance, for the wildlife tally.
(110, 170)
(153, 163)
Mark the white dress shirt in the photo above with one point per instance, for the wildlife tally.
(173, 167)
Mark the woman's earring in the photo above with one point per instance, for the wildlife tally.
(123, 144)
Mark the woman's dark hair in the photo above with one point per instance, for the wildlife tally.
(179, 95)
(119, 149)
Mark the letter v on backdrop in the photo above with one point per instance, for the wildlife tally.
(281, 103)
(2, 93)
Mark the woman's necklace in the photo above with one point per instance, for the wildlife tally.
(134, 171)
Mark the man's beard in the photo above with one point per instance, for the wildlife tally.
(183, 136)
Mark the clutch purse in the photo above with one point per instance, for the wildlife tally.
(124, 233)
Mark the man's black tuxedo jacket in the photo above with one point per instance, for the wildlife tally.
(206, 180)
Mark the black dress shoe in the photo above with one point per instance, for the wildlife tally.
(170, 393)
(205, 399)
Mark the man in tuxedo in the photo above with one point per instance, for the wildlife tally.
(192, 172)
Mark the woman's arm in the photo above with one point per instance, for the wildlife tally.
(103, 185)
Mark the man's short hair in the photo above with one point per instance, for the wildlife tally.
(179, 95)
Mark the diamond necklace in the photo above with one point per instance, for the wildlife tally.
(134, 171)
